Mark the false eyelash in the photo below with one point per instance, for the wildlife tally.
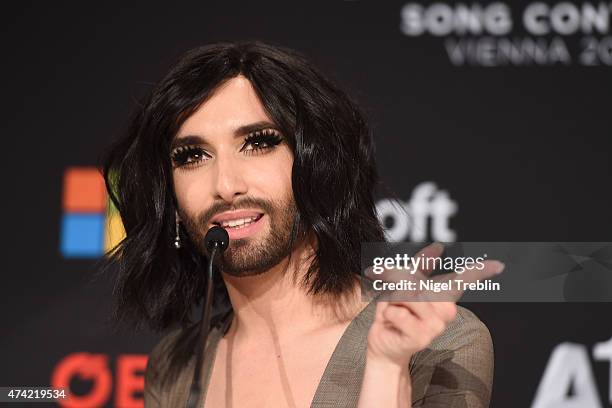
(269, 136)
(180, 154)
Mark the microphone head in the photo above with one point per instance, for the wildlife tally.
(216, 236)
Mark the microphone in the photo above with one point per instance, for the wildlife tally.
(216, 240)
(216, 236)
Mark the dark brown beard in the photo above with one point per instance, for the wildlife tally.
(244, 257)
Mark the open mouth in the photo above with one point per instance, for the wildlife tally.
(239, 222)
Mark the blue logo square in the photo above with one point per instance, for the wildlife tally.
(82, 235)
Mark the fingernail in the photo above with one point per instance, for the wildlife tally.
(500, 267)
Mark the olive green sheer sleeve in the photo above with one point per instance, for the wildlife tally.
(157, 363)
(456, 370)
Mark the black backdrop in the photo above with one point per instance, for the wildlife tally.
(522, 149)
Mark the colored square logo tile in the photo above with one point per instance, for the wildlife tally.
(82, 235)
(115, 232)
(84, 190)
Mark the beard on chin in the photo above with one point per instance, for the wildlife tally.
(250, 256)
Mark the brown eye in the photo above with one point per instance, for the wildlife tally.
(188, 156)
(261, 140)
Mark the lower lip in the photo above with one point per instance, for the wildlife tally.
(244, 232)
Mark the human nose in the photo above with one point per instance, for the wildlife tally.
(229, 182)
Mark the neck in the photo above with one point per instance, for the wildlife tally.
(277, 302)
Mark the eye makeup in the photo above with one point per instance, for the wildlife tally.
(261, 140)
(189, 155)
(255, 143)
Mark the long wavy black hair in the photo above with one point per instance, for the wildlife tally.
(334, 176)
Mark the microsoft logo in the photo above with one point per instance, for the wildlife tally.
(90, 224)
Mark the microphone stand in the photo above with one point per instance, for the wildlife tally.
(196, 391)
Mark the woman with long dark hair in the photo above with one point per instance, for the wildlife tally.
(252, 138)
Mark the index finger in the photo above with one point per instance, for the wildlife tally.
(461, 281)
(394, 274)
(433, 250)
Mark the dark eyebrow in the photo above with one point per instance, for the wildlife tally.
(253, 127)
(239, 132)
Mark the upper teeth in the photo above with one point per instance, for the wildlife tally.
(237, 222)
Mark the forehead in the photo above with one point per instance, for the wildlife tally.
(233, 104)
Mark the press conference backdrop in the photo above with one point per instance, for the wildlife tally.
(491, 119)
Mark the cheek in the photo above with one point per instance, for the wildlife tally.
(191, 191)
(272, 178)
